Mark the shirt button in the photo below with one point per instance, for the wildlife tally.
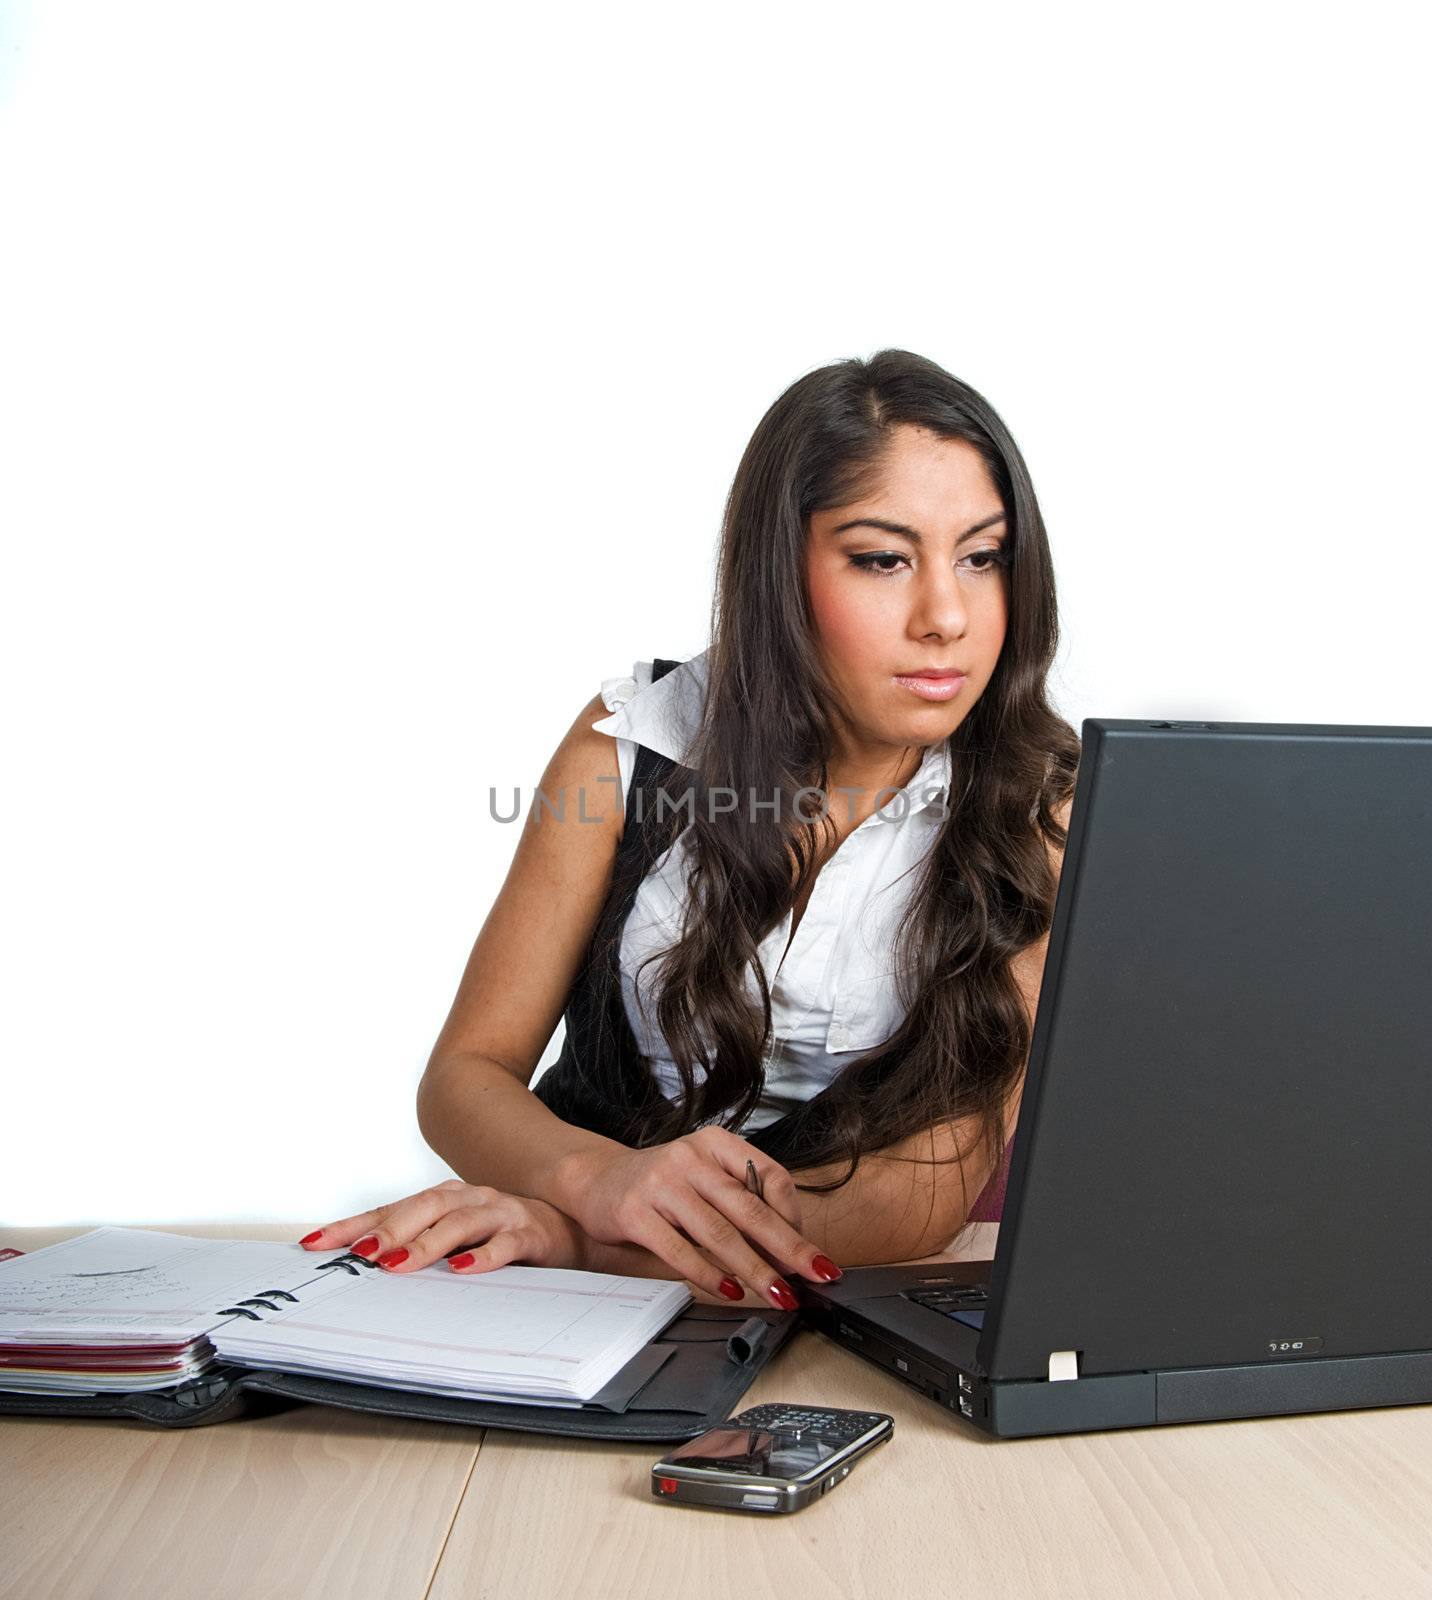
(839, 1039)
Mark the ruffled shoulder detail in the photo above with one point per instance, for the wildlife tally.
(617, 691)
(663, 715)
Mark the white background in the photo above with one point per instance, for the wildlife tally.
(370, 381)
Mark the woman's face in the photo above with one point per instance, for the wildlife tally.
(923, 592)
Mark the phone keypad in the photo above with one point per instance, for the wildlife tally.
(839, 1426)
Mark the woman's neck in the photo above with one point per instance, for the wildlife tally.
(872, 771)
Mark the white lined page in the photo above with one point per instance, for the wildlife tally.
(542, 1332)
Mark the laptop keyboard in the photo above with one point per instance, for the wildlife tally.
(962, 1302)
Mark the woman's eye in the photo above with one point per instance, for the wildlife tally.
(991, 559)
(873, 562)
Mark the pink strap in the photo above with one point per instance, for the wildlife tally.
(990, 1205)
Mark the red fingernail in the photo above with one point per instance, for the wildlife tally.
(308, 1238)
(466, 1259)
(392, 1258)
(780, 1292)
(365, 1247)
(731, 1289)
(826, 1268)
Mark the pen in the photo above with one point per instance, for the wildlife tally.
(757, 1188)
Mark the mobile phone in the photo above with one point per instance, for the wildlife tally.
(770, 1458)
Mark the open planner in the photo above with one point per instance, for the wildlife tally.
(169, 1328)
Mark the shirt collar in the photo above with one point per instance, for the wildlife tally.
(665, 716)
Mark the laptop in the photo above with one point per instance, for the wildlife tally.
(1220, 1191)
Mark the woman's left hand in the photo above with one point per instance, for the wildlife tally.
(488, 1227)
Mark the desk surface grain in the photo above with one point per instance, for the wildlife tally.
(319, 1502)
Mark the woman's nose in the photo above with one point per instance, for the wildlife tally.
(939, 606)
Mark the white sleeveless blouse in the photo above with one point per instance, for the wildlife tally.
(833, 995)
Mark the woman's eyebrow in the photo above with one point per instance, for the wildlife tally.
(910, 533)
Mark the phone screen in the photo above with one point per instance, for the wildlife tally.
(757, 1451)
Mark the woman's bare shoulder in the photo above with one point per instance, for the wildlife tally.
(585, 765)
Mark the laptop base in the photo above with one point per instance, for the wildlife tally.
(1015, 1409)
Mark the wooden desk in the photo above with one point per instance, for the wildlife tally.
(323, 1502)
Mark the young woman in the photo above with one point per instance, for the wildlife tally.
(795, 908)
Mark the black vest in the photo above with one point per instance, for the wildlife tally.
(601, 1081)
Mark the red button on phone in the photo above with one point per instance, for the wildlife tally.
(666, 1485)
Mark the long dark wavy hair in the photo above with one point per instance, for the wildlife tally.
(986, 890)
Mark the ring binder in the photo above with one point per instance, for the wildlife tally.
(345, 1261)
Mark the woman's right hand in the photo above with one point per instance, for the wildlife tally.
(672, 1198)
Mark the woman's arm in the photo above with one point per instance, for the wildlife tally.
(892, 1209)
(474, 1106)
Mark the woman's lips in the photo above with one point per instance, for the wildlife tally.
(944, 687)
